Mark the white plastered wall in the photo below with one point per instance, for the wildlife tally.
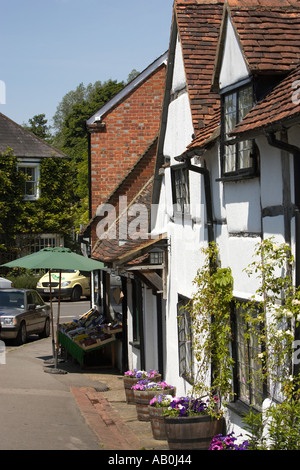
(233, 68)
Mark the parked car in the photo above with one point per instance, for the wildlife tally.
(5, 283)
(23, 312)
(74, 284)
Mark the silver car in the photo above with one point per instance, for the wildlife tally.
(23, 312)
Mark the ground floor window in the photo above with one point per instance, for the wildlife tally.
(185, 339)
(137, 309)
(31, 244)
(248, 386)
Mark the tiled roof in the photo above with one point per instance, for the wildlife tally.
(269, 33)
(281, 105)
(22, 142)
(207, 135)
(199, 27)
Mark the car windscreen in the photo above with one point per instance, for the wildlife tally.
(12, 299)
(64, 271)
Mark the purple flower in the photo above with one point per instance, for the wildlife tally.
(220, 442)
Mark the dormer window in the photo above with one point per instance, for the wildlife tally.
(237, 157)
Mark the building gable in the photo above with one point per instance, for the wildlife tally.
(231, 53)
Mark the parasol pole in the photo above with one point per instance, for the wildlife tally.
(51, 313)
(55, 369)
(57, 324)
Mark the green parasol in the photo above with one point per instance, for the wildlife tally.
(61, 259)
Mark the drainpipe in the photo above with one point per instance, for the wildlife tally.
(186, 159)
(295, 151)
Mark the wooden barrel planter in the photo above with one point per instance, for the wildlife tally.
(129, 381)
(142, 399)
(192, 432)
(157, 423)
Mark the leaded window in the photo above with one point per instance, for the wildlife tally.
(237, 157)
(249, 386)
(185, 349)
(181, 193)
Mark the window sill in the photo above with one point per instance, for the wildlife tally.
(241, 408)
(28, 198)
(135, 344)
(239, 177)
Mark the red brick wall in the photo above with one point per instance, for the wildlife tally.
(129, 130)
(132, 184)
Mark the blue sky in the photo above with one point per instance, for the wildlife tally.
(48, 47)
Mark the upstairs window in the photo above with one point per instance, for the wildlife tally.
(237, 158)
(180, 190)
(31, 190)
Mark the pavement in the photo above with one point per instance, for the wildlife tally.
(80, 409)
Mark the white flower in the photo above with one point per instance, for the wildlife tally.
(287, 313)
(289, 332)
(296, 302)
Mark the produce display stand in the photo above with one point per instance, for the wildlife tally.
(87, 357)
(90, 340)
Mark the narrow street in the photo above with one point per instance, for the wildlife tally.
(37, 409)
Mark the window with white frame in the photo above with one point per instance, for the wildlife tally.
(31, 187)
(31, 244)
(237, 157)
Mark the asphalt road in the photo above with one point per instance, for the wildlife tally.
(70, 310)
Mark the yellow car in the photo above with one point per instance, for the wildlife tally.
(74, 284)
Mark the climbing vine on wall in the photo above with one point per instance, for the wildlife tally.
(52, 212)
(11, 198)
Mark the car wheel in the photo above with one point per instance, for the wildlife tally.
(76, 293)
(46, 331)
(22, 334)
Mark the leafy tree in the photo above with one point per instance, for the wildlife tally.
(38, 126)
(72, 134)
(134, 73)
(11, 198)
(53, 211)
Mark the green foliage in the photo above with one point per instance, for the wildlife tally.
(38, 126)
(210, 314)
(72, 135)
(279, 308)
(277, 429)
(23, 278)
(52, 212)
(279, 315)
(11, 199)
